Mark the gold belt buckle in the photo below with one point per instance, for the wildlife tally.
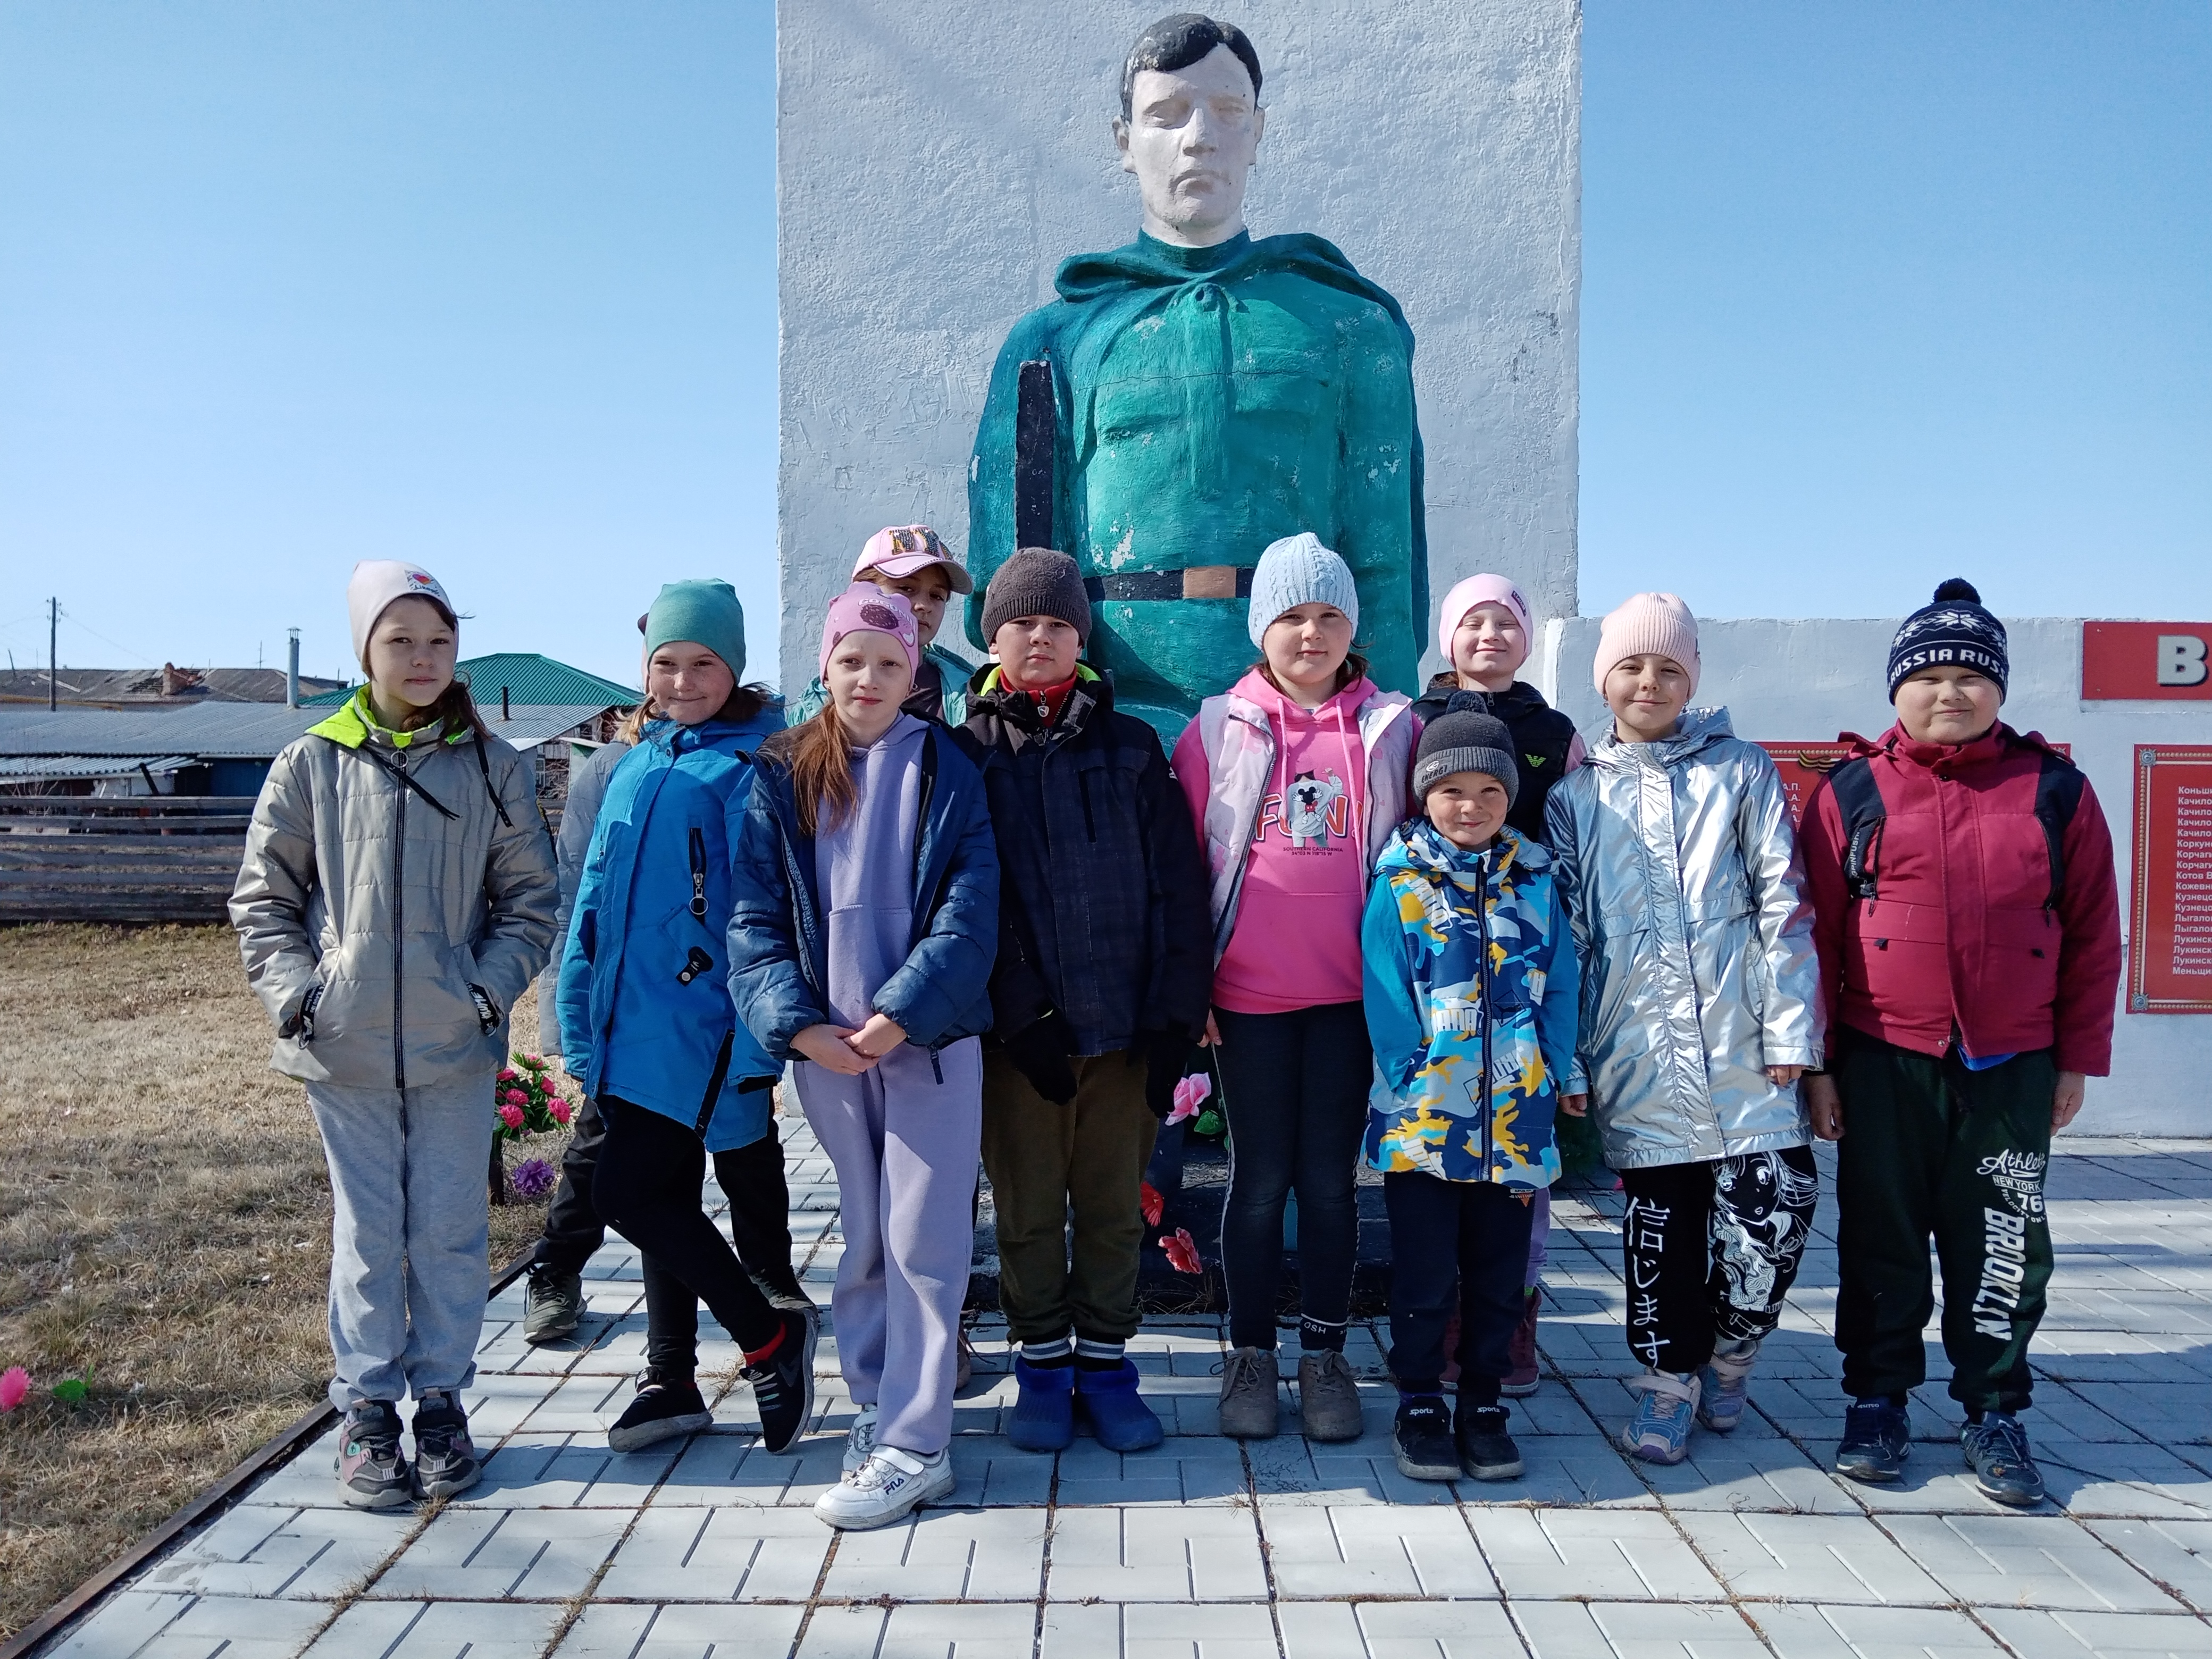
(1209, 582)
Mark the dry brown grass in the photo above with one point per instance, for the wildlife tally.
(164, 1233)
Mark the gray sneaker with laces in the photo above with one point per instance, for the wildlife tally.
(552, 1306)
(1329, 1397)
(372, 1470)
(1249, 1397)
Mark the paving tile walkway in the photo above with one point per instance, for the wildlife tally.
(1205, 1549)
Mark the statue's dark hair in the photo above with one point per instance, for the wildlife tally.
(1178, 41)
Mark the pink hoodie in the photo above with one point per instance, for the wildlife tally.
(1296, 938)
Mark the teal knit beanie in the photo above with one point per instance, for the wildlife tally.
(705, 612)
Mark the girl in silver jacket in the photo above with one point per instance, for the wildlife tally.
(1676, 862)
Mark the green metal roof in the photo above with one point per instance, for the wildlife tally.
(528, 677)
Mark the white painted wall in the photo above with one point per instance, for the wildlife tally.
(937, 159)
(1810, 680)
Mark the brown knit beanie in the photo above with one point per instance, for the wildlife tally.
(1037, 581)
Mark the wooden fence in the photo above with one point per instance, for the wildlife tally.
(138, 858)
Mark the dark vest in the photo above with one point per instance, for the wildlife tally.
(1541, 738)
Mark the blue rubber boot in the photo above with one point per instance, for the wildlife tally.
(1044, 1411)
(1122, 1422)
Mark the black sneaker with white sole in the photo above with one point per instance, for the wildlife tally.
(783, 1383)
(445, 1461)
(663, 1409)
(1487, 1451)
(372, 1470)
(1421, 1439)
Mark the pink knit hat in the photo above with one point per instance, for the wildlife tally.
(1653, 623)
(1478, 590)
(864, 608)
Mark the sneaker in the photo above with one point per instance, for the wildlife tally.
(1421, 1439)
(783, 1385)
(1249, 1398)
(1119, 1417)
(1487, 1451)
(372, 1470)
(859, 1440)
(1660, 1431)
(783, 1290)
(1520, 1382)
(660, 1410)
(1328, 1398)
(1044, 1406)
(1877, 1435)
(887, 1488)
(1996, 1448)
(552, 1306)
(445, 1461)
(1724, 1386)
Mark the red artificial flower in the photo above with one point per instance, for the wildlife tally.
(510, 1116)
(1150, 1201)
(1182, 1251)
(560, 1109)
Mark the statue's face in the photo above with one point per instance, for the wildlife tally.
(1190, 139)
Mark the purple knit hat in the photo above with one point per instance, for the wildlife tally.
(863, 608)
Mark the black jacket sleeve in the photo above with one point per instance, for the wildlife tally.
(1181, 924)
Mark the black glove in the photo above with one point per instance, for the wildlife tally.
(1039, 1051)
(1166, 1053)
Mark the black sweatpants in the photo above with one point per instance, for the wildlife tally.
(651, 1170)
(1460, 1245)
(573, 1228)
(1294, 1092)
(1711, 1249)
(1930, 1147)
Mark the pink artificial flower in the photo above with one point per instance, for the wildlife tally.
(516, 1097)
(1189, 1095)
(510, 1116)
(560, 1109)
(1150, 1201)
(1182, 1251)
(15, 1387)
(507, 1074)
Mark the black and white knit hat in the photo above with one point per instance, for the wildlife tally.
(1465, 741)
(1954, 631)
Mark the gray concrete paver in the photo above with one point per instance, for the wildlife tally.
(1599, 1630)
(718, 1555)
(2025, 1560)
(438, 1630)
(1399, 1630)
(1201, 1553)
(485, 1554)
(1569, 1554)
(2044, 1635)
(1139, 1631)
(228, 1627)
(257, 1551)
(1804, 1630)
(1366, 1550)
(1814, 1557)
(616, 1630)
(2176, 1553)
(943, 1555)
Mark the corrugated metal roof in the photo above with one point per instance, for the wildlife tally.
(67, 769)
(529, 679)
(141, 687)
(235, 730)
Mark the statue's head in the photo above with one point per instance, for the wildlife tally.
(1190, 125)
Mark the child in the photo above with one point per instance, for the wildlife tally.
(1471, 1002)
(396, 896)
(1296, 777)
(911, 560)
(647, 1026)
(1676, 862)
(1969, 937)
(1099, 990)
(1483, 631)
(866, 920)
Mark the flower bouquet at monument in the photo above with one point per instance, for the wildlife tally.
(525, 1101)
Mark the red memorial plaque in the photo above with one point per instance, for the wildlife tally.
(2170, 948)
(2156, 660)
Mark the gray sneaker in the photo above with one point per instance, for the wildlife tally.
(1249, 1398)
(552, 1306)
(1328, 1398)
(371, 1468)
(445, 1461)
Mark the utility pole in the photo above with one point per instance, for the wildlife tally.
(53, 656)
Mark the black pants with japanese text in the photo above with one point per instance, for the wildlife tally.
(1711, 1249)
(1931, 1148)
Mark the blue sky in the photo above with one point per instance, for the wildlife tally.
(1874, 295)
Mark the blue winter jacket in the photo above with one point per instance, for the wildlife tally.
(645, 993)
(780, 939)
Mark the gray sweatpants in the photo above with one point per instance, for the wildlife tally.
(410, 1234)
(905, 1147)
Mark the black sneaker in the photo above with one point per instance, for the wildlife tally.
(445, 1461)
(782, 1288)
(1877, 1435)
(661, 1410)
(1421, 1439)
(1996, 1448)
(783, 1388)
(552, 1306)
(1487, 1452)
(371, 1468)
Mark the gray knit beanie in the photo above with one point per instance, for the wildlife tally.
(1037, 581)
(1465, 741)
(1295, 571)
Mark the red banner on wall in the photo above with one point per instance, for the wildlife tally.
(2170, 943)
(2158, 660)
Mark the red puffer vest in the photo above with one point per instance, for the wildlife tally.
(1961, 932)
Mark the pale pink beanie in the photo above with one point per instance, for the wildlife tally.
(1655, 622)
(864, 608)
(1485, 589)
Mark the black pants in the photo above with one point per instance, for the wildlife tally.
(650, 1172)
(1294, 1092)
(1459, 1244)
(573, 1228)
(1931, 1147)
(1711, 1250)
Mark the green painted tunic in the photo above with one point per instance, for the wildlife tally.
(1210, 401)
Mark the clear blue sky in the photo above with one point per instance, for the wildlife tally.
(1875, 295)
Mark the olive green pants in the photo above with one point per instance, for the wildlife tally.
(1051, 1165)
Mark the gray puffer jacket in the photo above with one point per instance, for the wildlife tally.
(388, 929)
(1678, 867)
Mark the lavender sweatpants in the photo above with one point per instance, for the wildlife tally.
(906, 1148)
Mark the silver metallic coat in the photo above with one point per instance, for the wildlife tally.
(1678, 867)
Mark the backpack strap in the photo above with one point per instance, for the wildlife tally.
(483, 765)
(400, 775)
(1859, 799)
(2058, 793)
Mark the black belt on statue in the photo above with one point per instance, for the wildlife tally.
(1200, 582)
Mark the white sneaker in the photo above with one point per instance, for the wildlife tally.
(860, 1441)
(886, 1488)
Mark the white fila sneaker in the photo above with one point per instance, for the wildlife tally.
(888, 1487)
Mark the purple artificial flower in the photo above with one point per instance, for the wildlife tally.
(533, 1178)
